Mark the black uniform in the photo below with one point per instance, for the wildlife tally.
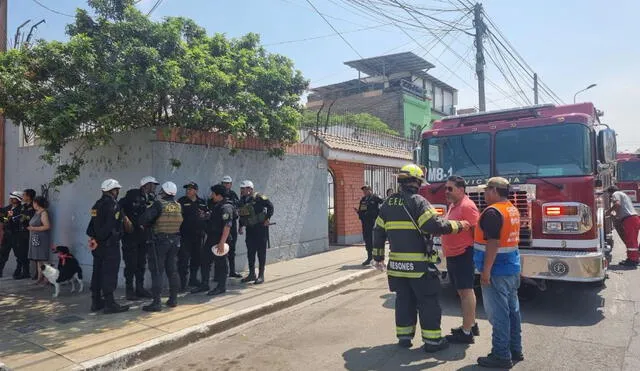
(165, 218)
(134, 245)
(411, 269)
(10, 242)
(233, 198)
(106, 227)
(194, 214)
(221, 217)
(253, 211)
(368, 212)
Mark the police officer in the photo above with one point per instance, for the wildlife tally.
(218, 233)
(105, 230)
(26, 213)
(407, 219)
(165, 218)
(194, 214)
(10, 217)
(368, 212)
(134, 244)
(233, 198)
(255, 211)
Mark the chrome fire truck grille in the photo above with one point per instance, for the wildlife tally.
(520, 199)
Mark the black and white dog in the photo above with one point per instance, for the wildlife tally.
(68, 271)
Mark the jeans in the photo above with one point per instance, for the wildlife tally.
(503, 311)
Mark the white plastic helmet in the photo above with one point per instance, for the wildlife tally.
(16, 195)
(148, 179)
(169, 188)
(227, 179)
(246, 184)
(110, 184)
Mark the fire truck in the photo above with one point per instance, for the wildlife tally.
(628, 176)
(559, 159)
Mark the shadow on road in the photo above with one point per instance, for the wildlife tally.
(391, 357)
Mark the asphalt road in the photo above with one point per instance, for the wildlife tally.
(567, 327)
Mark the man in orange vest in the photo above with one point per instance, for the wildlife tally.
(497, 258)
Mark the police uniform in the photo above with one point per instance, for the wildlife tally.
(254, 211)
(234, 200)
(368, 212)
(221, 216)
(26, 213)
(10, 241)
(194, 214)
(411, 269)
(165, 218)
(106, 227)
(134, 244)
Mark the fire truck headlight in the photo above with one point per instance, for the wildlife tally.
(570, 226)
(566, 218)
(554, 227)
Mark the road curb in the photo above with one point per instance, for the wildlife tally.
(167, 343)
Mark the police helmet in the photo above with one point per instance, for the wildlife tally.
(16, 195)
(169, 188)
(246, 184)
(147, 180)
(109, 185)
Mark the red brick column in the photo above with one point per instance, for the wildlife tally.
(349, 178)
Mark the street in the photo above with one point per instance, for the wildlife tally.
(568, 327)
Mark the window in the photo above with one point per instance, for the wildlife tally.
(463, 155)
(629, 171)
(26, 137)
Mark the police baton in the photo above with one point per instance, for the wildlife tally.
(268, 238)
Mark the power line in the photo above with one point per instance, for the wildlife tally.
(155, 6)
(334, 29)
(519, 89)
(53, 10)
(326, 36)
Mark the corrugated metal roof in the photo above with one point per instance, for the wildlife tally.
(390, 64)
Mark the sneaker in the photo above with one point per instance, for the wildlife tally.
(433, 346)
(491, 361)
(628, 263)
(405, 343)
(459, 337)
(517, 357)
(475, 330)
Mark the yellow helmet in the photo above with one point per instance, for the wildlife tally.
(411, 171)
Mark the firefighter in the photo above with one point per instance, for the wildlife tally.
(407, 220)
(134, 244)
(255, 212)
(105, 230)
(233, 198)
(165, 218)
(194, 213)
(10, 217)
(367, 213)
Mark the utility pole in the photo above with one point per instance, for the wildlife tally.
(3, 48)
(480, 30)
(535, 88)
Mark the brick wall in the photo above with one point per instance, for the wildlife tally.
(349, 177)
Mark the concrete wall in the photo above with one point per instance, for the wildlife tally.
(297, 185)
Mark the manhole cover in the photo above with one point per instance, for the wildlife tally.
(29, 328)
(68, 319)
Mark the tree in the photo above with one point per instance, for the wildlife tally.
(120, 71)
(356, 120)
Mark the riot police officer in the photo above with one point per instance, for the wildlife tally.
(165, 218)
(233, 198)
(218, 233)
(10, 217)
(105, 230)
(367, 213)
(134, 244)
(255, 211)
(407, 220)
(194, 214)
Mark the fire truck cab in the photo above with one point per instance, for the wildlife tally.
(628, 176)
(558, 160)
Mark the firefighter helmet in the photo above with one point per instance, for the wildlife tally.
(411, 172)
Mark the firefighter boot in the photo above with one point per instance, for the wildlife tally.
(110, 305)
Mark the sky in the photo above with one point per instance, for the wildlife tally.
(570, 47)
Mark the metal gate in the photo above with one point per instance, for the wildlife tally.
(380, 178)
(331, 208)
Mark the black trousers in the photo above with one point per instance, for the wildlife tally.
(134, 252)
(106, 265)
(189, 255)
(256, 245)
(367, 234)
(220, 264)
(163, 258)
(417, 296)
(231, 256)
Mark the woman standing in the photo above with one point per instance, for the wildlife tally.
(39, 235)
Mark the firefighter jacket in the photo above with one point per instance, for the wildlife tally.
(410, 253)
(254, 210)
(165, 215)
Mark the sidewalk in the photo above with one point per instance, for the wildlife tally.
(38, 332)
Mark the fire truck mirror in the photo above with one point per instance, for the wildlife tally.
(416, 155)
(607, 146)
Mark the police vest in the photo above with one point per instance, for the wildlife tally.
(170, 219)
(248, 215)
(508, 258)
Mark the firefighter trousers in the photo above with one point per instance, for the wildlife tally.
(418, 297)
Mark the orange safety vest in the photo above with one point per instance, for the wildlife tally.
(508, 258)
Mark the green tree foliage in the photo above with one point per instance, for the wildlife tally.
(357, 120)
(120, 71)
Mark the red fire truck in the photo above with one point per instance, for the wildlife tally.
(628, 176)
(558, 159)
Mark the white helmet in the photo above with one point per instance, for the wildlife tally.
(110, 184)
(169, 188)
(16, 195)
(227, 179)
(148, 179)
(246, 184)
